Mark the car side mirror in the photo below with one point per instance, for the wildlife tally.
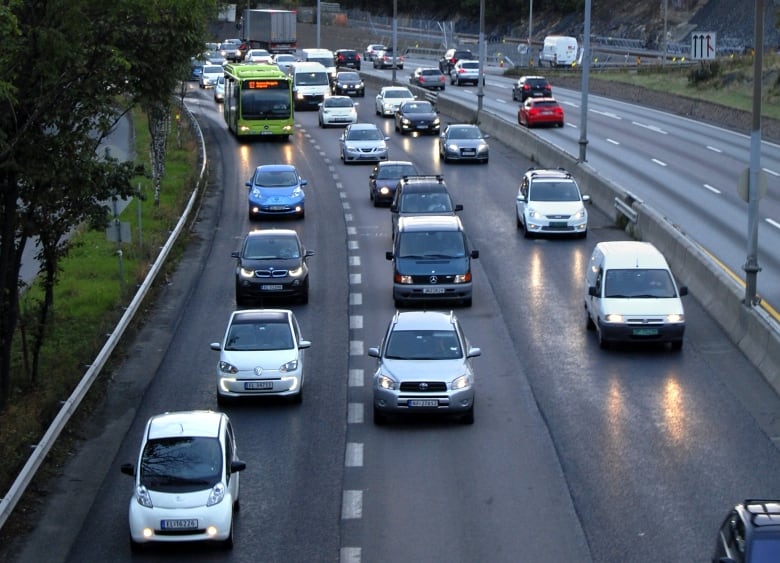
(372, 176)
(683, 290)
(237, 465)
(389, 255)
(474, 352)
(586, 198)
(235, 254)
(475, 253)
(393, 208)
(308, 253)
(215, 346)
(373, 352)
(249, 184)
(304, 344)
(128, 469)
(593, 291)
(304, 182)
(458, 207)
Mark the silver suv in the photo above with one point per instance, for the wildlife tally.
(466, 72)
(424, 367)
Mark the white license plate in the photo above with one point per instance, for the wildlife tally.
(422, 127)
(423, 403)
(278, 208)
(433, 290)
(469, 152)
(271, 287)
(184, 524)
(266, 132)
(258, 385)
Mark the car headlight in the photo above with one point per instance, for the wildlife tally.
(384, 190)
(297, 192)
(436, 121)
(143, 497)
(244, 273)
(462, 278)
(483, 147)
(225, 367)
(452, 147)
(461, 382)
(296, 273)
(613, 318)
(405, 120)
(292, 365)
(401, 278)
(216, 495)
(533, 214)
(257, 193)
(580, 214)
(384, 382)
(675, 318)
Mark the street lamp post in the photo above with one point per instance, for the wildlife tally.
(481, 74)
(585, 58)
(395, 37)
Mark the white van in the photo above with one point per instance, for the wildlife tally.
(631, 295)
(310, 84)
(323, 56)
(559, 50)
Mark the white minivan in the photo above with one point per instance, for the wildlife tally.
(311, 84)
(558, 50)
(631, 295)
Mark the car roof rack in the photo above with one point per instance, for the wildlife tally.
(438, 177)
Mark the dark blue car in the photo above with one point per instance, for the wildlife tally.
(276, 190)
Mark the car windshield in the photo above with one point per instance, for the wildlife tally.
(324, 61)
(396, 171)
(418, 107)
(209, 69)
(431, 244)
(349, 76)
(639, 283)
(268, 248)
(311, 78)
(276, 179)
(364, 135)
(437, 202)
(181, 464)
(259, 335)
(423, 345)
(398, 94)
(464, 133)
(338, 103)
(554, 191)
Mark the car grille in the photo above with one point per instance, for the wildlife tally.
(428, 279)
(270, 273)
(424, 386)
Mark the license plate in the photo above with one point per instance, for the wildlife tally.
(422, 127)
(559, 224)
(422, 403)
(187, 524)
(433, 290)
(277, 208)
(469, 152)
(271, 287)
(645, 332)
(258, 385)
(266, 132)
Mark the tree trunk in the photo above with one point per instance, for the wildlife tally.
(159, 124)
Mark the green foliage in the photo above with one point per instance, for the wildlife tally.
(704, 72)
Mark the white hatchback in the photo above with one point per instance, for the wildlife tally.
(186, 480)
(549, 202)
(210, 75)
(337, 110)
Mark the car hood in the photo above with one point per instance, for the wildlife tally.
(549, 208)
(268, 360)
(422, 116)
(271, 264)
(365, 144)
(272, 195)
(179, 500)
(432, 266)
(424, 370)
(653, 307)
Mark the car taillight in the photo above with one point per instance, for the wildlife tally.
(526, 87)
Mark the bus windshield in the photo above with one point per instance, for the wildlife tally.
(265, 104)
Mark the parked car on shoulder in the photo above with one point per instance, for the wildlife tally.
(531, 87)
(431, 78)
(540, 111)
(417, 116)
(424, 366)
(452, 56)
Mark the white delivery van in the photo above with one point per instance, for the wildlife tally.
(631, 295)
(323, 56)
(559, 50)
(310, 84)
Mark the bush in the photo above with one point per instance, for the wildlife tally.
(703, 73)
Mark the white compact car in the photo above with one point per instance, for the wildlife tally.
(549, 202)
(186, 480)
(390, 98)
(337, 110)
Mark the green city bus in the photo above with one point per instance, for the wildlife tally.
(258, 100)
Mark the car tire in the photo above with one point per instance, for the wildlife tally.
(468, 418)
(223, 400)
(136, 547)
(676, 345)
(485, 160)
(322, 125)
(467, 302)
(241, 301)
(380, 419)
(227, 545)
(297, 399)
(588, 321)
(305, 293)
(603, 343)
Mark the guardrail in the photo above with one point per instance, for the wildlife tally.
(41, 450)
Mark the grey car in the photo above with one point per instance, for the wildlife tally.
(462, 141)
(424, 367)
(363, 142)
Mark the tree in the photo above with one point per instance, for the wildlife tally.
(71, 71)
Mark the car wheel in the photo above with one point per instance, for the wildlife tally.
(297, 399)
(677, 345)
(603, 343)
(588, 322)
(377, 111)
(228, 543)
(223, 400)
(305, 293)
(136, 547)
(379, 417)
(526, 232)
(241, 301)
(560, 124)
(468, 418)
(485, 160)
(518, 222)
(322, 124)
(467, 302)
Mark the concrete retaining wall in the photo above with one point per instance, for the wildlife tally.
(750, 328)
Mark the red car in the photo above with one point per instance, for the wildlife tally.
(540, 111)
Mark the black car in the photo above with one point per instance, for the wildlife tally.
(750, 533)
(418, 115)
(348, 83)
(531, 87)
(452, 56)
(421, 195)
(384, 178)
(272, 264)
(347, 58)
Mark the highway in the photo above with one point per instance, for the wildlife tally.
(577, 453)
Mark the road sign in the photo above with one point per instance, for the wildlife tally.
(703, 45)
